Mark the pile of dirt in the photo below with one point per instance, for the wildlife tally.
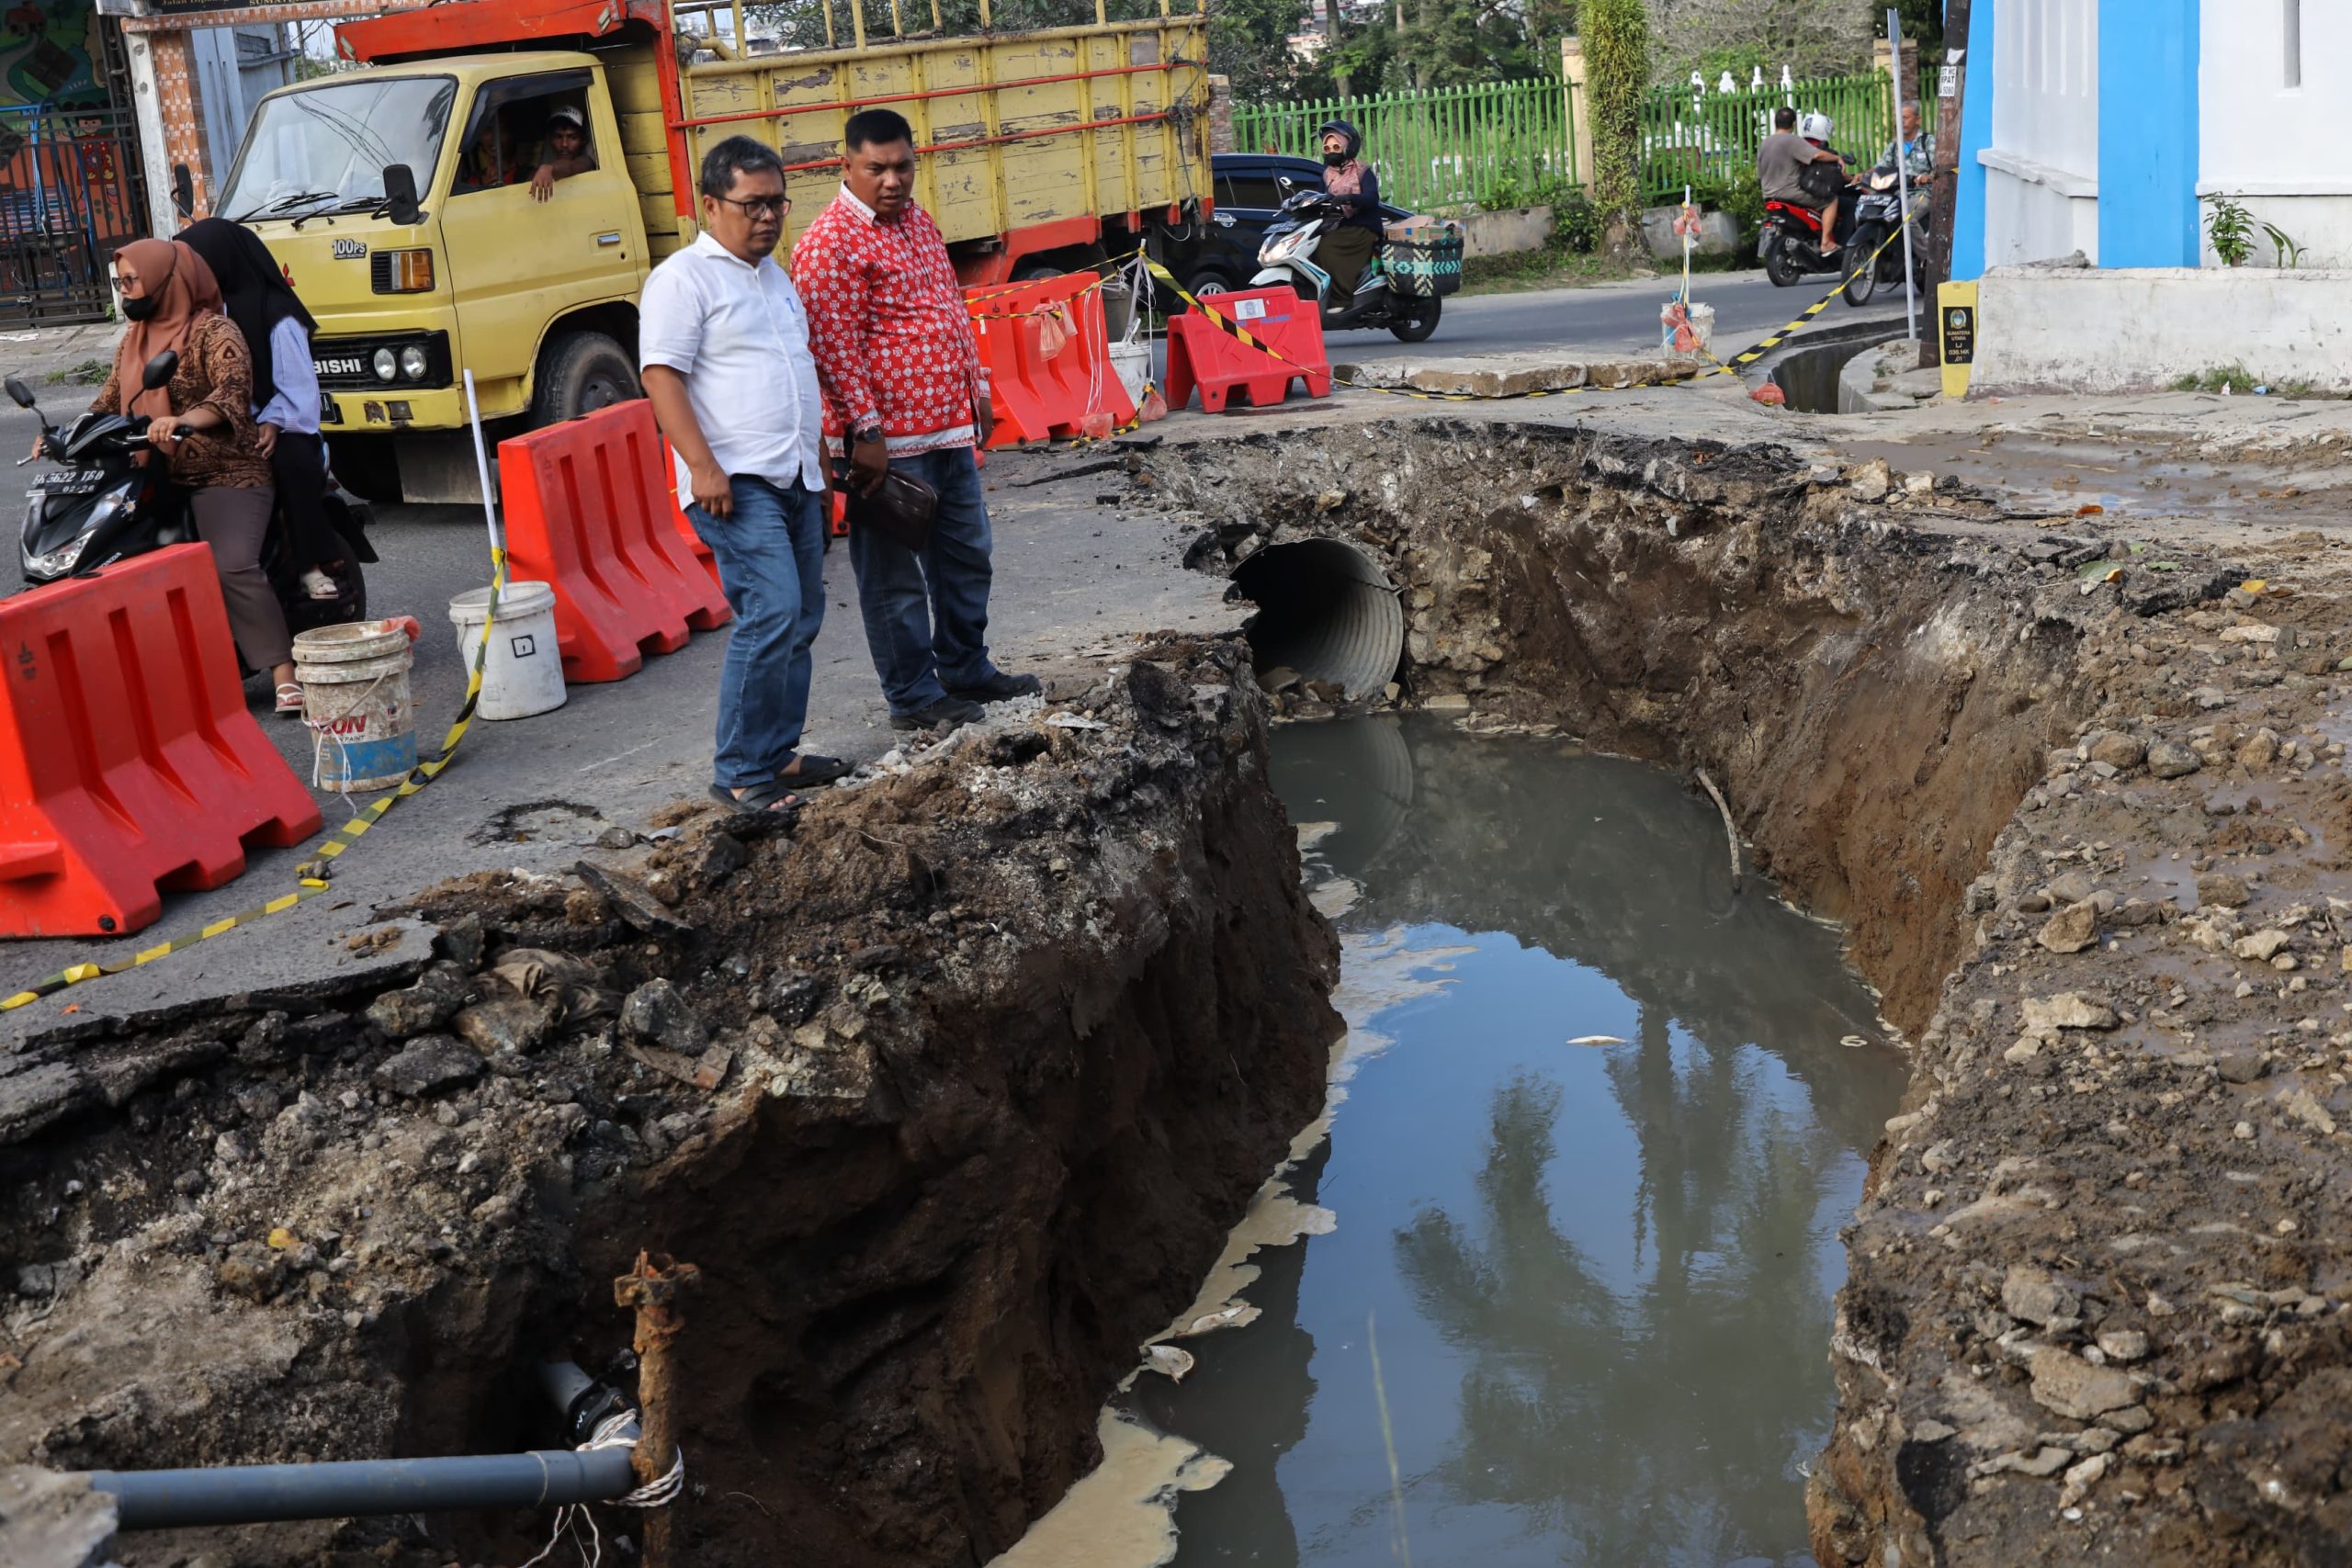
(951, 1090)
(2079, 799)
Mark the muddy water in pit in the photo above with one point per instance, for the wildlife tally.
(1600, 1274)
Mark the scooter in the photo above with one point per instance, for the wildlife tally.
(1299, 225)
(1790, 246)
(1878, 213)
(104, 505)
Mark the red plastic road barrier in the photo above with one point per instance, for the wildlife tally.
(1201, 353)
(128, 760)
(1038, 395)
(591, 512)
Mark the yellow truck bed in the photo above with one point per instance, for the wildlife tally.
(1043, 132)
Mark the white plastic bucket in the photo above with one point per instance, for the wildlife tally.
(1133, 362)
(523, 672)
(355, 699)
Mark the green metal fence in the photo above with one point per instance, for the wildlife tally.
(1507, 143)
(1495, 144)
(1701, 139)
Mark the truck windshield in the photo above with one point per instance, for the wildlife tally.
(326, 147)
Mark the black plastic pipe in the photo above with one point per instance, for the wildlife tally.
(259, 1494)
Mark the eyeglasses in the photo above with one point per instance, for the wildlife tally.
(759, 206)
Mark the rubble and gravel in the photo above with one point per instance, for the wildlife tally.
(952, 1087)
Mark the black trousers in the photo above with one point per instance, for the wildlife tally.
(300, 464)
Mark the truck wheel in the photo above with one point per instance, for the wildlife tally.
(580, 373)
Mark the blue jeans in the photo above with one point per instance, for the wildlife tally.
(927, 614)
(770, 556)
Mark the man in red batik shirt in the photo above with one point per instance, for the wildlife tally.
(903, 381)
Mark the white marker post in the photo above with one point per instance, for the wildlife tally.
(481, 468)
(1903, 175)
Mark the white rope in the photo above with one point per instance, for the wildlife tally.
(320, 734)
(616, 1431)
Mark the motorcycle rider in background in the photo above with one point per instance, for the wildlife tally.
(1785, 169)
(1918, 151)
(1347, 249)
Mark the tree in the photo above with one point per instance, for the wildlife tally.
(1617, 72)
(1812, 38)
(1249, 45)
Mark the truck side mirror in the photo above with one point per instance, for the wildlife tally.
(18, 393)
(182, 190)
(399, 193)
(160, 369)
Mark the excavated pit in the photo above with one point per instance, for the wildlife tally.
(952, 1094)
(2077, 799)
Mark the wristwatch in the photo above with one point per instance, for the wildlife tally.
(860, 437)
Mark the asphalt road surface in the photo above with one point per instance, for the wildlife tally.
(532, 789)
(1620, 316)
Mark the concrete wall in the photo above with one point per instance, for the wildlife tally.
(2140, 330)
(2042, 163)
(1501, 234)
(2277, 119)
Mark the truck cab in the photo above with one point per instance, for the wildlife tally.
(534, 291)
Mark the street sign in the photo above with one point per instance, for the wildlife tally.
(1956, 335)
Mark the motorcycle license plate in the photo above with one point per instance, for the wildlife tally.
(66, 484)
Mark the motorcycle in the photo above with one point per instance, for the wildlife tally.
(1790, 248)
(1878, 214)
(104, 505)
(1299, 225)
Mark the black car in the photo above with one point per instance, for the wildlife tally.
(1222, 255)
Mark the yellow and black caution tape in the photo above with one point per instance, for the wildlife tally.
(973, 301)
(1722, 368)
(343, 837)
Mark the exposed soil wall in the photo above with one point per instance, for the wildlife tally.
(1874, 697)
(1001, 1046)
(2080, 803)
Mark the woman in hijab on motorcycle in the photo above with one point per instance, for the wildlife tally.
(1347, 249)
(202, 424)
(276, 330)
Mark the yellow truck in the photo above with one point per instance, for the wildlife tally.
(398, 198)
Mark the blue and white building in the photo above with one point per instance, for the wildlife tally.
(2100, 127)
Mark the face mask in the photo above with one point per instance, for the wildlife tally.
(138, 310)
(1335, 159)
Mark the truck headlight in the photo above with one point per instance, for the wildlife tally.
(386, 366)
(413, 362)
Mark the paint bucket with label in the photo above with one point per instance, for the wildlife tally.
(356, 702)
(522, 673)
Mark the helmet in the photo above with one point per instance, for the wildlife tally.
(1354, 137)
(1815, 127)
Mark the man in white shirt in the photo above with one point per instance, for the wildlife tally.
(724, 354)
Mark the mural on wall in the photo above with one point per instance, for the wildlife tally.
(48, 53)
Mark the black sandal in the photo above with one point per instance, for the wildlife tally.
(810, 770)
(757, 798)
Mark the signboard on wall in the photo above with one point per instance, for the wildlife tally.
(47, 50)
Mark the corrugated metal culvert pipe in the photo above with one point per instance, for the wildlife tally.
(1326, 610)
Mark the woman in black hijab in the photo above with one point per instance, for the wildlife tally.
(277, 330)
